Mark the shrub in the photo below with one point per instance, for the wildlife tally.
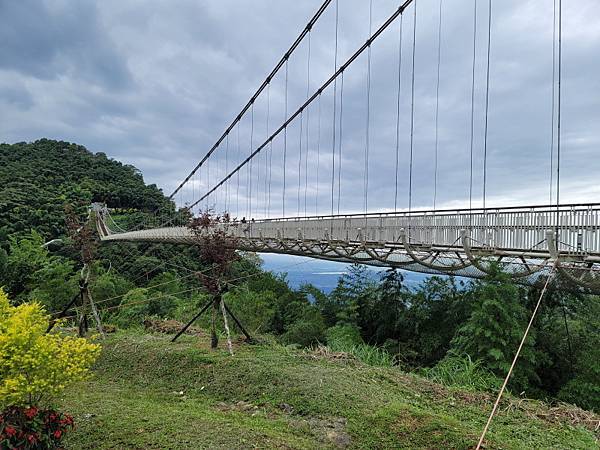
(139, 303)
(584, 388)
(371, 355)
(31, 428)
(462, 371)
(35, 365)
(340, 337)
(304, 333)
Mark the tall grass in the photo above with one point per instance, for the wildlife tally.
(461, 371)
(367, 354)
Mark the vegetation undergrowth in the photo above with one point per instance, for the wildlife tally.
(150, 393)
(463, 372)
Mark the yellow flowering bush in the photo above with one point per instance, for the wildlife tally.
(34, 365)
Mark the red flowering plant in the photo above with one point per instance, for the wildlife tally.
(31, 428)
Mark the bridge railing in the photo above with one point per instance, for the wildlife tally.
(520, 228)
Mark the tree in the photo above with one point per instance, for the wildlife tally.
(584, 388)
(436, 309)
(380, 312)
(353, 288)
(493, 331)
(26, 256)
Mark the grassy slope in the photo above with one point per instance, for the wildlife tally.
(150, 394)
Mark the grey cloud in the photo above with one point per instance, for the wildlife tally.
(50, 39)
(155, 84)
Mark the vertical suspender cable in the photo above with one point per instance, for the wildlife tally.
(258, 184)
(267, 208)
(473, 106)
(334, 105)
(307, 124)
(250, 165)
(208, 183)
(487, 103)
(237, 192)
(437, 109)
(226, 172)
(553, 101)
(339, 196)
(318, 155)
(558, 113)
(398, 112)
(285, 138)
(412, 109)
(193, 192)
(366, 180)
(300, 164)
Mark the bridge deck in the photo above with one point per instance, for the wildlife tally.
(461, 242)
(509, 229)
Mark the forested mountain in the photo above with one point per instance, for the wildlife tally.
(38, 179)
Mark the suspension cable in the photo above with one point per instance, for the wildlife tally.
(487, 103)
(366, 180)
(437, 108)
(264, 84)
(398, 112)
(324, 86)
(473, 103)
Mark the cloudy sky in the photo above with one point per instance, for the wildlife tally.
(155, 83)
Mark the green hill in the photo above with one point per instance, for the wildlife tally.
(149, 393)
(40, 177)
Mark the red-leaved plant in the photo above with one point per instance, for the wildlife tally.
(32, 428)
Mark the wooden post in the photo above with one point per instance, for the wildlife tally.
(229, 344)
(64, 312)
(82, 326)
(189, 324)
(214, 338)
(238, 323)
(95, 313)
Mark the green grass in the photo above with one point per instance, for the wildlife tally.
(462, 371)
(147, 393)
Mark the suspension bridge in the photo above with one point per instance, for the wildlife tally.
(287, 169)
